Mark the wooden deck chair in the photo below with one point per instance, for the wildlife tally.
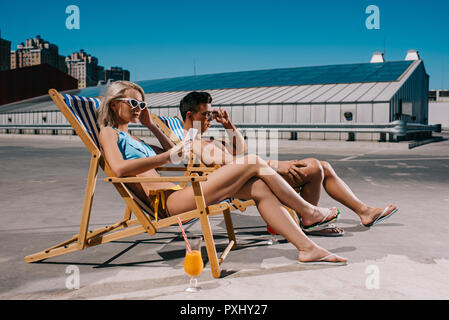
(173, 128)
(81, 114)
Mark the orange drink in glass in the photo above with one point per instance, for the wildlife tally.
(272, 233)
(193, 262)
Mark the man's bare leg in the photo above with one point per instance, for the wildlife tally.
(340, 191)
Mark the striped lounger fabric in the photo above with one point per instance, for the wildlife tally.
(84, 110)
(175, 125)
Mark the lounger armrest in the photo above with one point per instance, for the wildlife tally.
(155, 179)
(194, 169)
(172, 169)
(201, 169)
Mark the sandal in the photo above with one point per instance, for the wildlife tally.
(322, 223)
(328, 231)
(382, 217)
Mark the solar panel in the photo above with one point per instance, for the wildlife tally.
(332, 74)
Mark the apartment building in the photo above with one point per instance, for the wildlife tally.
(84, 67)
(5, 51)
(37, 51)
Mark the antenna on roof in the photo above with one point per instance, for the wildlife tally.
(194, 66)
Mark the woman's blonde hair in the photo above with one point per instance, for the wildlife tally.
(105, 114)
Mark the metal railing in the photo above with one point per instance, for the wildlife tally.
(397, 128)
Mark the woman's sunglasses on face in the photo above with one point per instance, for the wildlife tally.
(134, 103)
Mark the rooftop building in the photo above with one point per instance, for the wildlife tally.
(85, 68)
(370, 92)
(439, 95)
(5, 52)
(36, 51)
(115, 74)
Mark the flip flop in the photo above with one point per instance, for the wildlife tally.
(326, 231)
(323, 261)
(322, 223)
(382, 217)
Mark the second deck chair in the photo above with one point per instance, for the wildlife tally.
(173, 128)
(81, 114)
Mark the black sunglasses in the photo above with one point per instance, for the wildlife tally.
(210, 115)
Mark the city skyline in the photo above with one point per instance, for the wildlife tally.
(80, 65)
(159, 40)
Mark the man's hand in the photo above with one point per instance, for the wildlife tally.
(291, 168)
(222, 116)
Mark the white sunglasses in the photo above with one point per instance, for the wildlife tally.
(134, 103)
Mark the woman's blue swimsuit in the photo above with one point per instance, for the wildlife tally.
(131, 148)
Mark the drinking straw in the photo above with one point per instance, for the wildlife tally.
(184, 234)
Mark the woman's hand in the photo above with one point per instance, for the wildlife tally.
(181, 152)
(145, 118)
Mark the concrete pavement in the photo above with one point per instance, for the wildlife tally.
(42, 187)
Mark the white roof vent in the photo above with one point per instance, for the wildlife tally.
(377, 57)
(412, 55)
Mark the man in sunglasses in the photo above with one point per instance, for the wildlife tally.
(307, 175)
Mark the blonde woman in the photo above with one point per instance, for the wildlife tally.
(127, 155)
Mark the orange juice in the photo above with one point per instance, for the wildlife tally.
(193, 263)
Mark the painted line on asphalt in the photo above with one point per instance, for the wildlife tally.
(395, 159)
(358, 155)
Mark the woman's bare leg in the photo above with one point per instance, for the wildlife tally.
(231, 182)
(274, 214)
(225, 182)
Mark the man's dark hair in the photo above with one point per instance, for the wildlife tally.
(192, 101)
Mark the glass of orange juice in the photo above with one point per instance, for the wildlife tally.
(193, 262)
(272, 233)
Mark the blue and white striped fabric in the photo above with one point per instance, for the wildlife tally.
(175, 126)
(84, 109)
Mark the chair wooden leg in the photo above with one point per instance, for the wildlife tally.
(96, 237)
(230, 227)
(292, 214)
(127, 214)
(88, 199)
(207, 232)
(242, 205)
(210, 246)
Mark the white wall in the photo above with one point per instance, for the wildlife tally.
(332, 116)
(303, 116)
(347, 108)
(364, 115)
(439, 113)
(318, 116)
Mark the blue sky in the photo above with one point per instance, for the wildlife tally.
(160, 39)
